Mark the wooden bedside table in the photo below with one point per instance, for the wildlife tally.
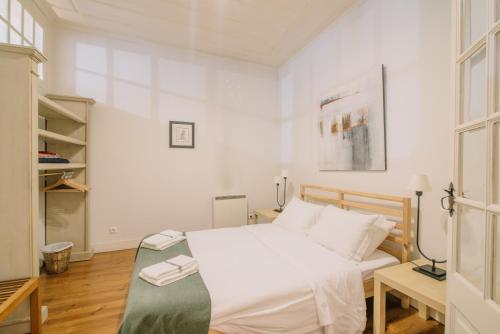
(428, 292)
(268, 214)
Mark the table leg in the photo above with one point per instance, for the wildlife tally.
(423, 311)
(405, 302)
(379, 298)
(36, 321)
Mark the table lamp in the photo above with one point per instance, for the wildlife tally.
(277, 181)
(420, 184)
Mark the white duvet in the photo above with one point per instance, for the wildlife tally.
(263, 279)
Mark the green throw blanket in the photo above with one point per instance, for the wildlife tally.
(182, 307)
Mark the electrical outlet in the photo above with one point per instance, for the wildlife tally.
(113, 230)
(45, 313)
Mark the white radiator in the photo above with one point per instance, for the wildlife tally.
(229, 211)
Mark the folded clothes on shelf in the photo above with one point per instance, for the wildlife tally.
(53, 161)
(46, 157)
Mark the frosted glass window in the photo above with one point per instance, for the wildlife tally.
(38, 37)
(16, 13)
(473, 173)
(496, 163)
(474, 21)
(15, 38)
(496, 260)
(474, 80)
(28, 26)
(4, 9)
(4, 32)
(471, 232)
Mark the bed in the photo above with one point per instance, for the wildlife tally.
(262, 279)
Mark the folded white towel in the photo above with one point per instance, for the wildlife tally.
(161, 242)
(171, 233)
(170, 270)
(169, 280)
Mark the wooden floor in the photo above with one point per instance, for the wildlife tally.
(90, 298)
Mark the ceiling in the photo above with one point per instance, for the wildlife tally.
(263, 31)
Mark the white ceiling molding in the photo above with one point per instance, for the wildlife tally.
(268, 32)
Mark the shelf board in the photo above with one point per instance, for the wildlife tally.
(52, 110)
(61, 166)
(65, 191)
(51, 137)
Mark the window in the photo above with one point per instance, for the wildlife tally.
(18, 27)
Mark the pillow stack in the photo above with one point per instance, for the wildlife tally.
(353, 235)
(298, 216)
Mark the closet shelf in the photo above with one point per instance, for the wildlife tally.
(61, 166)
(52, 110)
(64, 191)
(51, 137)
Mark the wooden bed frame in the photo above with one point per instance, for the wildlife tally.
(395, 208)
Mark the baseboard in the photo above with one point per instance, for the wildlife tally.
(81, 256)
(17, 326)
(110, 246)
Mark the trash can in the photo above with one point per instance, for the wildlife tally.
(56, 256)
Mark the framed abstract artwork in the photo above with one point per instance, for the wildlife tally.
(181, 134)
(352, 125)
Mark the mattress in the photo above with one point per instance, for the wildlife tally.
(264, 279)
(378, 260)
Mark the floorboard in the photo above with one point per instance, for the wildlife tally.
(90, 298)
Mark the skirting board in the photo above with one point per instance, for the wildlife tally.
(17, 326)
(115, 245)
(81, 256)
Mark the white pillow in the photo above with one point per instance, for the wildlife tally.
(344, 232)
(298, 216)
(378, 232)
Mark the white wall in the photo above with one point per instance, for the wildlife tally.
(138, 183)
(411, 39)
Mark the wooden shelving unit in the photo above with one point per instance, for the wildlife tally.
(19, 214)
(64, 130)
(52, 110)
(52, 137)
(61, 166)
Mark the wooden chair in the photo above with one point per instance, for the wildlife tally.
(13, 292)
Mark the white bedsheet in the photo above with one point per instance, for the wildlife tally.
(263, 279)
(378, 260)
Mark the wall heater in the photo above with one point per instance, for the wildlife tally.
(229, 211)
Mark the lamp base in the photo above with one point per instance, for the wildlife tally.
(437, 273)
(278, 210)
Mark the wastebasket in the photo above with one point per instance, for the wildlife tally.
(56, 256)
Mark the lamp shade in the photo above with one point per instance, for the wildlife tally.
(419, 182)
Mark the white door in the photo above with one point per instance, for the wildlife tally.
(473, 295)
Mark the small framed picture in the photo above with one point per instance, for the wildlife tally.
(181, 134)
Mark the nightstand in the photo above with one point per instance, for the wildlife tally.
(268, 214)
(428, 292)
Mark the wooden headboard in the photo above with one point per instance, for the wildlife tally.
(395, 208)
